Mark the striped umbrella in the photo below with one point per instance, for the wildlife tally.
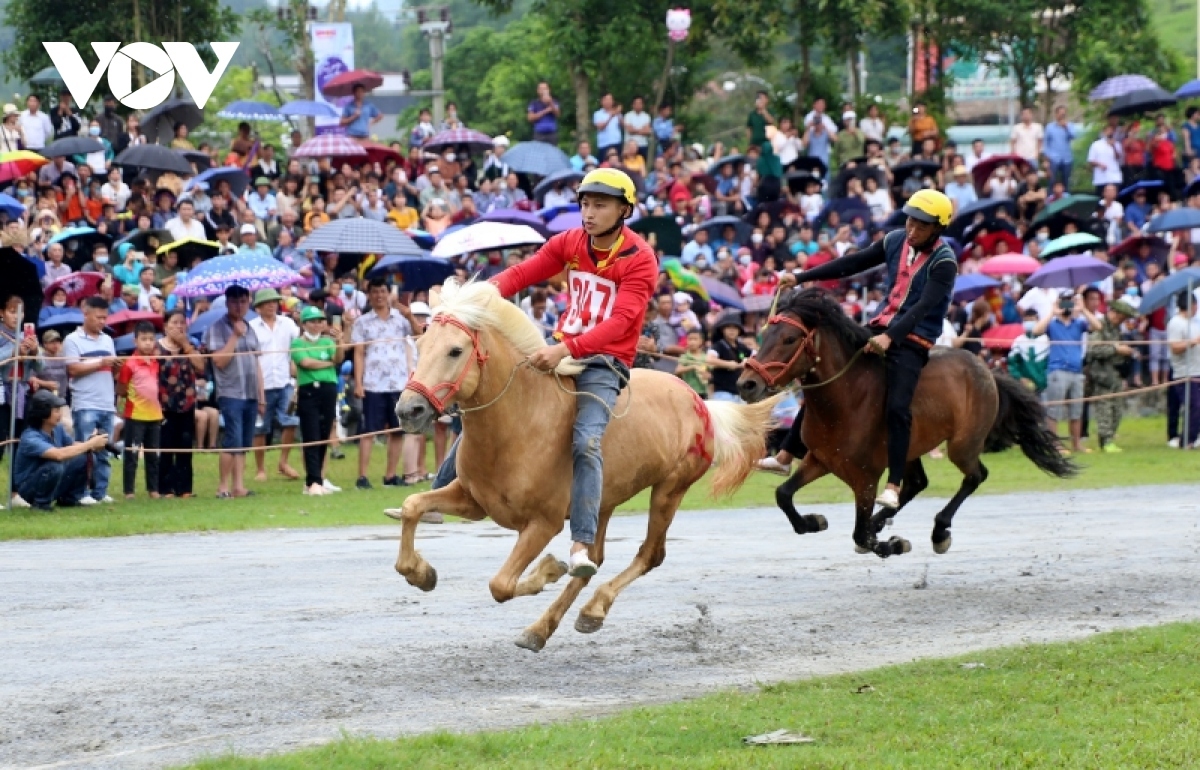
(246, 109)
(536, 158)
(358, 235)
(330, 146)
(458, 136)
(14, 165)
(1119, 86)
(307, 108)
(246, 269)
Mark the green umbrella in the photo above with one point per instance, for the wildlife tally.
(47, 77)
(1078, 206)
(1073, 243)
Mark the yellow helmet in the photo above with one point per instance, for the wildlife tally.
(609, 181)
(930, 206)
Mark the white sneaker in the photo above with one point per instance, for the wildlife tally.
(581, 565)
(19, 502)
(87, 500)
(1196, 444)
(107, 500)
(315, 490)
(1174, 443)
(330, 487)
(888, 499)
(771, 465)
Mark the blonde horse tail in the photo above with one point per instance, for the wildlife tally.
(739, 440)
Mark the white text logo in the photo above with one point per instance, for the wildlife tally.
(178, 57)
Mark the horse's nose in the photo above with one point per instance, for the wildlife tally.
(411, 411)
(749, 389)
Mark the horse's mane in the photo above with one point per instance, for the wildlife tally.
(478, 304)
(818, 309)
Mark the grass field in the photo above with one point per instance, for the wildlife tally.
(279, 503)
(1122, 700)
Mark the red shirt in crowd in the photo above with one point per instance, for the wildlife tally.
(609, 291)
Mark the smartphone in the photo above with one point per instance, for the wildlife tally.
(30, 331)
(337, 321)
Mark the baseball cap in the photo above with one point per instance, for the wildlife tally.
(248, 229)
(46, 399)
(501, 141)
(312, 313)
(420, 308)
(51, 335)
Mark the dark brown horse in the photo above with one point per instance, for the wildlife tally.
(958, 401)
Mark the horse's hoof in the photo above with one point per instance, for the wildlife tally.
(816, 522)
(430, 581)
(531, 641)
(942, 547)
(899, 546)
(395, 513)
(560, 569)
(586, 625)
(859, 549)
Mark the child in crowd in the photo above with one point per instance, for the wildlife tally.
(693, 363)
(138, 388)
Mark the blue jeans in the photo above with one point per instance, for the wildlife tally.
(591, 419)
(87, 421)
(63, 482)
(279, 400)
(1060, 172)
(240, 415)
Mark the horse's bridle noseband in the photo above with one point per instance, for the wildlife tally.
(451, 388)
(773, 373)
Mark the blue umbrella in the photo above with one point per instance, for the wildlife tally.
(1119, 86)
(1189, 90)
(1160, 293)
(70, 317)
(566, 175)
(11, 206)
(238, 179)
(517, 217)
(1069, 272)
(722, 293)
(125, 345)
(206, 319)
(250, 110)
(83, 235)
(968, 288)
(421, 238)
(249, 270)
(564, 222)
(1175, 219)
(417, 273)
(305, 108)
(536, 158)
(1145, 184)
(550, 212)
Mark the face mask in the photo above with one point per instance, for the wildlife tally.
(94, 130)
(756, 238)
(450, 157)
(1042, 237)
(502, 185)
(852, 298)
(1029, 327)
(101, 259)
(311, 337)
(745, 260)
(426, 124)
(60, 303)
(347, 288)
(1131, 291)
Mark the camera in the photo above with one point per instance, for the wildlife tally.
(115, 448)
(1066, 305)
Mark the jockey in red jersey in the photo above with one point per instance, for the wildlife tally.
(612, 274)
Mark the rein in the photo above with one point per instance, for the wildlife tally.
(773, 373)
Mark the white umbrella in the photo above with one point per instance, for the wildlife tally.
(484, 236)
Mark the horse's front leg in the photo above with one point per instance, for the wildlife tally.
(810, 470)
(451, 499)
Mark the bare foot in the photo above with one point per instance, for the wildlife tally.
(129, 497)
(155, 496)
(260, 476)
(288, 471)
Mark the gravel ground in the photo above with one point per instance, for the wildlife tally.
(152, 651)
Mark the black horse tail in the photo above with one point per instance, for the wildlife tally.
(1021, 421)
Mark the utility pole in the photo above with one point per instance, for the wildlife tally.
(435, 25)
(337, 10)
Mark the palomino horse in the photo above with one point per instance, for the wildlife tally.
(515, 457)
(958, 400)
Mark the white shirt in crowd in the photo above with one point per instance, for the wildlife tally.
(1109, 170)
(1026, 140)
(637, 120)
(144, 296)
(555, 198)
(275, 344)
(37, 128)
(1042, 300)
(179, 230)
(811, 205)
(1186, 364)
(118, 196)
(787, 148)
(872, 128)
(880, 202)
(971, 160)
(830, 126)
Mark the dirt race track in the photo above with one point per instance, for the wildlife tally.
(151, 651)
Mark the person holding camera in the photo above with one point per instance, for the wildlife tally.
(49, 467)
(1064, 364)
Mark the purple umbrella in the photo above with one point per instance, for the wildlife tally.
(563, 222)
(971, 287)
(249, 270)
(516, 217)
(722, 293)
(1119, 86)
(1069, 272)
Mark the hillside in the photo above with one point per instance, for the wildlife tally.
(1175, 21)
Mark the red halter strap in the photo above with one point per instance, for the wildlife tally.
(451, 388)
(773, 373)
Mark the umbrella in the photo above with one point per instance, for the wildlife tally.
(563, 222)
(796, 181)
(1142, 100)
(140, 239)
(984, 168)
(1146, 184)
(716, 226)
(966, 215)
(1159, 248)
(206, 319)
(64, 322)
(19, 163)
(124, 321)
(360, 236)
(1119, 86)
(722, 293)
(1003, 336)
(1176, 219)
(1189, 90)
(550, 212)
(11, 206)
(416, 273)
(558, 177)
(1070, 244)
(77, 286)
(684, 280)
(249, 270)
(1160, 293)
(159, 123)
(989, 240)
(20, 280)
(249, 110)
(728, 159)
(343, 84)
(238, 179)
(46, 77)
(455, 137)
(484, 236)
(536, 158)
(381, 153)
(307, 108)
(810, 166)
(72, 145)
(968, 288)
(847, 209)
(662, 233)
(861, 172)
(201, 160)
(1189, 191)
(1076, 206)
(710, 184)
(1069, 272)
(82, 235)
(154, 157)
(190, 248)
(421, 238)
(1010, 264)
(125, 345)
(516, 217)
(902, 171)
(330, 146)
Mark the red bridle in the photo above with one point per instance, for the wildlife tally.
(780, 369)
(451, 388)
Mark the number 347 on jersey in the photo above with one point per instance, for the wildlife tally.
(592, 301)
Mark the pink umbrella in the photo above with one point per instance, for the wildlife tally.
(984, 168)
(78, 286)
(343, 84)
(1010, 264)
(124, 321)
(331, 146)
(1002, 337)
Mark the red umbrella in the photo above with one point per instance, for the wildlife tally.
(124, 321)
(331, 146)
(1002, 337)
(381, 153)
(709, 183)
(984, 168)
(1010, 264)
(989, 241)
(78, 286)
(1159, 248)
(343, 84)
(16, 164)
